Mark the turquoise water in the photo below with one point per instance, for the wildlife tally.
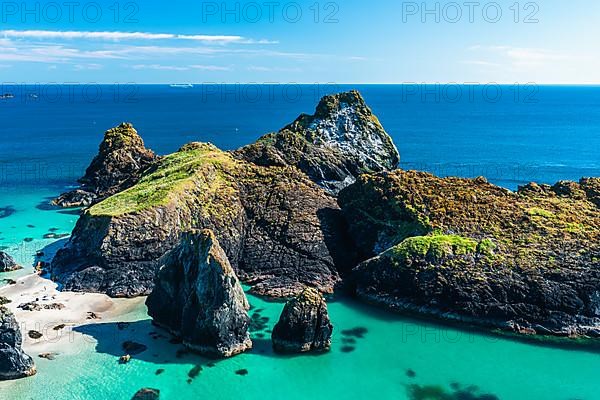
(374, 360)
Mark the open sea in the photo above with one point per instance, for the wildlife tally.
(511, 135)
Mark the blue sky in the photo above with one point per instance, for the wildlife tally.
(349, 41)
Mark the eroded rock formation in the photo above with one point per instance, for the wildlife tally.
(14, 363)
(304, 324)
(199, 298)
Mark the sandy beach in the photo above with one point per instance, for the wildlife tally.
(39, 306)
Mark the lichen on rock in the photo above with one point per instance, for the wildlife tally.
(199, 298)
(342, 140)
(304, 324)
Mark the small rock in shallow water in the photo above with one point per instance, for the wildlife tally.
(159, 371)
(410, 373)
(194, 372)
(241, 372)
(146, 394)
(358, 332)
(124, 359)
(34, 335)
(47, 356)
(122, 325)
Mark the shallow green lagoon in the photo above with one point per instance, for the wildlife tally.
(374, 354)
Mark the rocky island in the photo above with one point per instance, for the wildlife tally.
(321, 204)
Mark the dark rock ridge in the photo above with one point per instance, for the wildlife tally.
(199, 298)
(466, 250)
(121, 159)
(146, 394)
(280, 231)
(304, 324)
(7, 263)
(14, 363)
(342, 140)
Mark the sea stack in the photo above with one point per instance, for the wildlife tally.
(120, 161)
(7, 263)
(14, 363)
(342, 140)
(198, 297)
(304, 324)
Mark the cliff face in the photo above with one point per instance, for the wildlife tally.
(14, 363)
(342, 140)
(468, 250)
(119, 164)
(278, 229)
(199, 298)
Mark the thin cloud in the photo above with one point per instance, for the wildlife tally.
(517, 57)
(159, 67)
(115, 36)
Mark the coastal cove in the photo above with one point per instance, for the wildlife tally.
(372, 351)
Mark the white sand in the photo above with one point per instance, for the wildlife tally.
(78, 306)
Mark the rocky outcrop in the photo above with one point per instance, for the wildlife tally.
(7, 263)
(342, 140)
(119, 164)
(304, 324)
(279, 230)
(466, 250)
(199, 298)
(14, 363)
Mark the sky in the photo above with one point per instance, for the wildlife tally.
(349, 41)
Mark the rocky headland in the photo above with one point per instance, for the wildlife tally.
(7, 263)
(319, 204)
(466, 250)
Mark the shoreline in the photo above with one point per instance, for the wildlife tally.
(59, 313)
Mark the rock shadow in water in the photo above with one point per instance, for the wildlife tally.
(7, 211)
(457, 392)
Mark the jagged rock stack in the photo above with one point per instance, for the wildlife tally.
(7, 263)
(121, 159)
(14, 363)
(199, 298)
(304, 324)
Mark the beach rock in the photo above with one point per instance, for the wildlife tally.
(199, 298)
(146, 394)
(124, 359)
(14, 363)
(34, 335)
(279, 230)
(7, 263)
(121, 160)
(466, 250)
(304, 324)
(342, 140)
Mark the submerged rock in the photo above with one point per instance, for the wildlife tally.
(304, 324)
(146, 394)
(199, 298)
(14, 363)
(7, 263)
(121, 159)
(342, 140)
(466, 250)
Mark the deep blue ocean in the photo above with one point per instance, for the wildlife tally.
(512, 135)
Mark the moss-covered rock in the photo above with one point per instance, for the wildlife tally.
(466, 249)
(121, 159)
(278, 229)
